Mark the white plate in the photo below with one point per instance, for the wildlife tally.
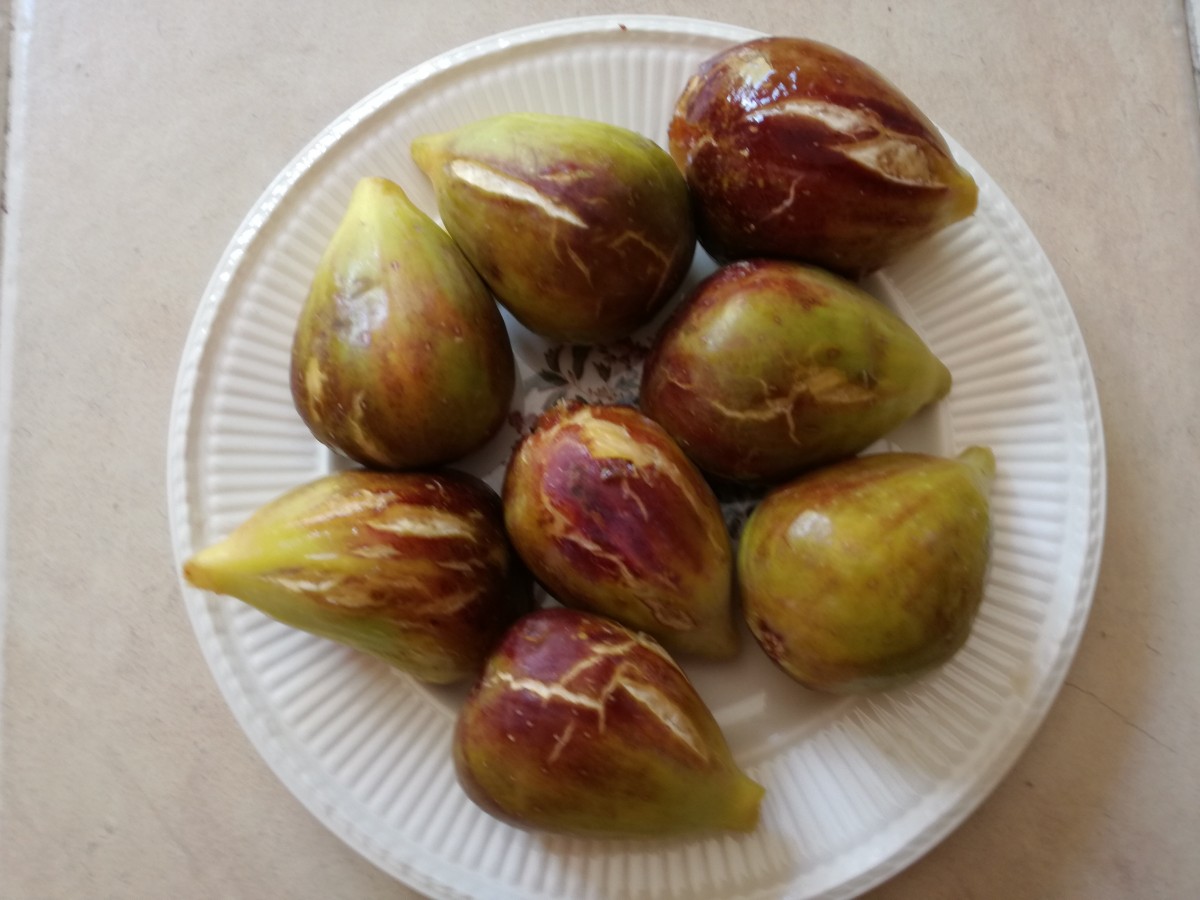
(856, 788)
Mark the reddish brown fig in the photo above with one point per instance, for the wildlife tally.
(413, 569)
(795, 149)
(770, 368)
(611, 517)
(580, 725)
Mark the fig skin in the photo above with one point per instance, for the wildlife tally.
(401, 359)
(582, 230)
(769, 368)
(611, 517)
(414, 569)
(795, 149)
(866, 574)
(580, 725)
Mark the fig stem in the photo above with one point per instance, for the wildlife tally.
(982, 460)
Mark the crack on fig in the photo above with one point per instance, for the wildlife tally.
(654, 701)
(448, 604)
(893, 157)
(375, 551)
(839, 119)
(566, 176)
(352, 504)
(664, 261)
(303, 584)
(315, 380)
(466, 566)
(769, 409)
(500, 184)
(823, 384)
(663, 613)
(630, 494)
(410, 520)
(567, 532)
(362, 441)
(561, 741)
(607, 438)
(669, 714)
(342, 591)
(785, 205)
(587, 274)
(406, 596)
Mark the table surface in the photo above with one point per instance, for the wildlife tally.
(139, 136)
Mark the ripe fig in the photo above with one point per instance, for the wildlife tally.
(400, 358)
(771, 367)
(795, 149)
(414, 569)
(582, 230)
(611, 517)
(868, 573)
(580, 725)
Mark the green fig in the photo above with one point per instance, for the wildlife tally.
(582, 230)
(868, 573)
(770, 368)
(795, 149)
(413, 569)
(401, 359)
(580, 725)
(611, 517)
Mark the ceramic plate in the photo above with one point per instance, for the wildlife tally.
(856, 788)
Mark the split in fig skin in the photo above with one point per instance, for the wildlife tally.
(611, 517)
(866, 574)
(580, 725)
(413, 569)
(797, 150)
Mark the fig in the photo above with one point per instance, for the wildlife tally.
(612, 518)
(582, 230)
(400, 360)
(868, 573)
(583, 726)
(795, 149)
(414, 569)
(770, 367)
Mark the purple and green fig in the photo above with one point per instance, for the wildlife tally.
(770, 368)
(580, 725)
(401, 359)
(413, 569)
(582, 230)
(868, 573)
(797, 150)
(611, 517)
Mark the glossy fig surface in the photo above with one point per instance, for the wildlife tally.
(401, 359)
(771, 367)
(583, 230)
(611, 517)
(583, 726)
(414, 569)
(795, 149)
(868, 573)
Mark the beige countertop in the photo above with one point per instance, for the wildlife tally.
(141, 134)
